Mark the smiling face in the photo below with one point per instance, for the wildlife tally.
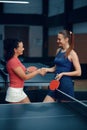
(19, 50)
(62, 41)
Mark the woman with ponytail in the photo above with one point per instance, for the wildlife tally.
(65, 59)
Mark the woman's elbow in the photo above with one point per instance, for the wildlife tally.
(79, 73)
(25, 77)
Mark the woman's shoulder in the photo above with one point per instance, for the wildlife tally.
(73, 53)
(13, 60)
(58, 50)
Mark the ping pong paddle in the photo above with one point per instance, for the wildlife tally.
(31, 69)
(54, 84)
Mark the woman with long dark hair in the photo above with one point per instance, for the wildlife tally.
(17, 72)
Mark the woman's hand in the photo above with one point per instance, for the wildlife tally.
(59, 76)
(43, 71)
(31, 69)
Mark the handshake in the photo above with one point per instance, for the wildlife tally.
(43, 71)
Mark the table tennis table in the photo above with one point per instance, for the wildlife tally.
(2, 85)
(42, 116)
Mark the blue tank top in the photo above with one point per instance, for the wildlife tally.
(63, 64)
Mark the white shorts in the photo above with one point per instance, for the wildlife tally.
(15, 94)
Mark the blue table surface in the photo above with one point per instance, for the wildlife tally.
(41, 116)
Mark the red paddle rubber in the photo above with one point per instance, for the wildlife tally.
(54, 84)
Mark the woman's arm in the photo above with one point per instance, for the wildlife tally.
(19, 72)
(52, 69)
(76, 64)
(77, 68)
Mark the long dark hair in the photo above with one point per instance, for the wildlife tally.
(70, 36)
(9, 45)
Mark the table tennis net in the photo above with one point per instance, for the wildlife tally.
(74, 103)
